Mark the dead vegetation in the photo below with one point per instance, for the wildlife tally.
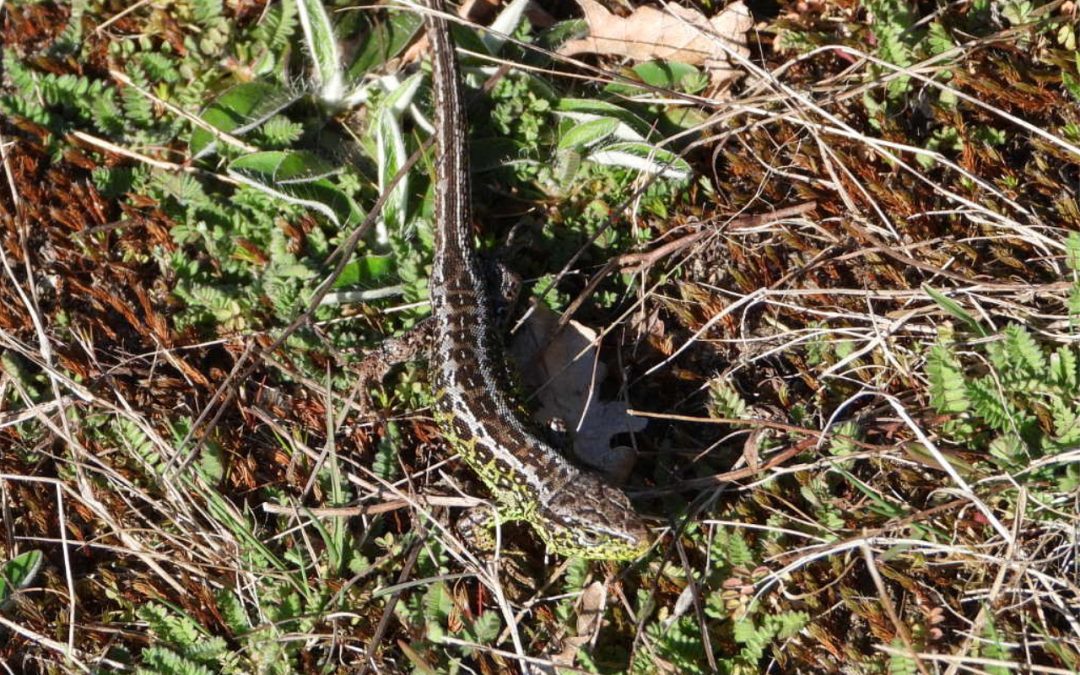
(820, 507)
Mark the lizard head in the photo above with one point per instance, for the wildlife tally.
(593, 520)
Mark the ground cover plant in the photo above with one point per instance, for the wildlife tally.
(841, 289)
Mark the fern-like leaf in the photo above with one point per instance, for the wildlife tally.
(137, 108)
(991, 405)
(207, 12)
(159, 67)
(232, 612)
(1018, 350)
(107, 114)
(947, 386)
(162, 661)
(281, 132)
(1066, 423)
(725, 401)
(1072, 251)
(1063, 369)
(277, 27)
(138, 444)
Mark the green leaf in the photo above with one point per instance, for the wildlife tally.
(938, 40)
(1008, 448)
(725, 400)
(954, 309)
(1017, 12)
(582, 110)
(391, 155)
(1063, 369)
(399, 100)
(664, 75)
(385, 41)
(297, 178)
(1072, 251)
(286, 167)
(1071, 83)
(485, 628)
(1066, 423)
(437, 607)
(504, 25)
(323, 48)
(1072, 303)
(588, 133)
(642, 157)
(1023, 351)
(238, 110)
(879, 505)
(366, 271)
(19, 572)
(211, 464)
(947, 391)
(992, 406)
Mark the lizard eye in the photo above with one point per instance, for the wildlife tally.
(587, 538)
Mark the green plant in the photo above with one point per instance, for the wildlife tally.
(1011, 396)
(734, 616)
(18, 573)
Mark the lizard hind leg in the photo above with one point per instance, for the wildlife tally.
(413, 345)
(481, 527)
(504, 288)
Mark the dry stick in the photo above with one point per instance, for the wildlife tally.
(631, 263)
(388, 612)
(8, 173)
(926, 514)
(748, 471)
(886, 603)
(699, 609)
(369, 509)
(248, 360)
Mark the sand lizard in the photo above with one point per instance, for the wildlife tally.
(574, 512)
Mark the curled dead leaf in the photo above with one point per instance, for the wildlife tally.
(673, 33)
(567, 375)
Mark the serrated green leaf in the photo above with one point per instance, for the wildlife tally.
(1064, 368)
(486, 628)
(938, 40)
(947, 392)
(1009, 448)
(1072, 251)
(1066, 423)
(1023, 350)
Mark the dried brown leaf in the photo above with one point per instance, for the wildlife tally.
(571, 392)
(671, 34)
